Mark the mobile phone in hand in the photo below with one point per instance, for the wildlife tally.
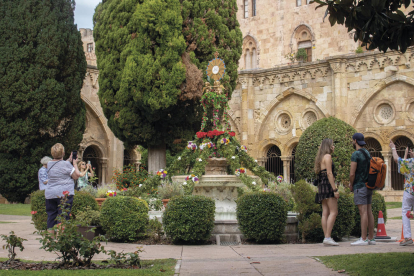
(74, 155)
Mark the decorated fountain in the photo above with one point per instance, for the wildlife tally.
(216, 164)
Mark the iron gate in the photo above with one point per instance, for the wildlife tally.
(273, 162)
(374, 147)
(397, 179)
(292, 166)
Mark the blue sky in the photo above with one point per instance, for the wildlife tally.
(84, 13)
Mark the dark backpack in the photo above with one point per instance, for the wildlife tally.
(377, 171)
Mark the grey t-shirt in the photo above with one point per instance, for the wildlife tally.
(60, 179)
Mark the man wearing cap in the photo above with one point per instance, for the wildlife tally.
(360, 160)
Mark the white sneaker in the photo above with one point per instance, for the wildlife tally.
(360, 242)
(330, 241)
(372, 242)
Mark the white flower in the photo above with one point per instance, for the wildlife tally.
(179, 157)
(140, 185)
(255, 161)
(233, 157)
(254, 183)
(199, 159)
(185, 183)
(237, 173)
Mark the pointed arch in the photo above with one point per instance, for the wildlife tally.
(98, 115)
(376, 89)
(251, 52)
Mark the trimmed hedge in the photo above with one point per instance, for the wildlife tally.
(124, 218)
(309, 142)
(262, 216)
(81, 200)
(378, 203)
(345, 221)
(38, 204)
(189, 218)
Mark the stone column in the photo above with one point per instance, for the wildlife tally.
(261, 161)
(388, 161)
(286, 168)
(339, 90)
(104, 169)
(245, 113)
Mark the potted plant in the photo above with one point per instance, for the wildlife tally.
(88, 223)
(105, 191)
(301, 55)
(168, 190)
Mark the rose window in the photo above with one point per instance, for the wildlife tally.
(284, 121)
(386, 112)
(309, 118)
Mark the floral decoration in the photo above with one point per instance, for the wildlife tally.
(224, 141)
(240, 171)
(33, 212)
(279, 178)
(65, 193)
(208, 145)
(111, 193)
(193, 178)
(162, 173)
(192, 146)
(243, 148)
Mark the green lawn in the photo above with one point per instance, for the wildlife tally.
(372, 264)
(393, 205)
(396, 217)
(163, 267)
(15, 209)
(6, 222)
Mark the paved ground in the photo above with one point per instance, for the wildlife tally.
(284, 259)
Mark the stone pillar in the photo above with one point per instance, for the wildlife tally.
(286, 168)
(388, 161)
(244, 113)
(339, 90)
(261, 161)
(104, 168)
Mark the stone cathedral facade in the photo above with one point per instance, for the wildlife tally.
(276, 99)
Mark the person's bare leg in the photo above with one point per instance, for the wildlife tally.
(364, 220)
(370, 222)
(333, 212)
(325, 214)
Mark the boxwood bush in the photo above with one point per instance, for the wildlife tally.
(345, 221)
(262, 216)
(81, 200)
(124, 218)
(310, 141)
(189, 218)
(378, 204)
(38, 204)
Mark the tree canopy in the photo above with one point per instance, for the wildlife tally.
(152, 56)
(42, 67)
(379, 24)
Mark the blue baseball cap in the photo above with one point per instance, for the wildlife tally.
(359, 137)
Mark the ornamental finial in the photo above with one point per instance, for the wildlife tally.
(216, 54)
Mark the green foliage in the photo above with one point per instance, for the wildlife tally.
(345, 220)
(89, 217)
(189, 219)
(378, 204)
(301, 55)
(40, 90)
(170, 189)
(38, 207)
(124, 218)
(262, 216)
(335, 129)
(378, 24)
(283, 189)
(122, 258)
(144, 78)
(359, 50)
(304, 196)
(68, 243)
(82, 201)
(90, 190)
(12, 241)
(155, 230)
(129, 177)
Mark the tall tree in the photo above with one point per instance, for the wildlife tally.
(379, 24)
(152, 56)
(42, 67)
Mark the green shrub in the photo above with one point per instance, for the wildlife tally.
(90, 190)
(309, 212)
(81, 201)
(345, 221)
(88, 217)
(155, 230)
(189, 218)
(312, 137)
(169, 190)
(38, 205)
(378, 204)
(283, 189)
(129, 177)
(262, 216)
(124, 218)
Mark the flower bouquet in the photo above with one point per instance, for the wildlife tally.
(191, 146)
(191, 177)
(279, 178)
(111, 193)
(240, 171)
(243, 148)
(162, 173)
(224, 141)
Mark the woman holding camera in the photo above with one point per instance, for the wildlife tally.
(84, 174)
(61, 180)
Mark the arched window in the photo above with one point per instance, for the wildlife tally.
(302, 39)
(397, 179)
(91, 154)
(250, 53)
(247, 60)
(273, 162)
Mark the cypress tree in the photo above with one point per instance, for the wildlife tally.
(42, 67)
(152, 56)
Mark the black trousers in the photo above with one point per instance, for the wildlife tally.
(53, 210)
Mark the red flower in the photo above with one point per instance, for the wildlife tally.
(232, 133)
(201, 135)
(124, 189)
(65, 193)
(33, 212)
(409, 215)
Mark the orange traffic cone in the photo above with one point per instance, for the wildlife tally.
(381, 233)
(402, 234)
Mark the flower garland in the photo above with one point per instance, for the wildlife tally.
(193, 178)
(209, 145)
(162, 173)
(279, 178)
(243, 148)
(192, 146)
(240, 171)
(224, 141)
(111, 193)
